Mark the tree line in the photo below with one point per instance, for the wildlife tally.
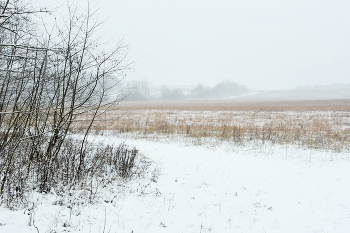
(140, 90)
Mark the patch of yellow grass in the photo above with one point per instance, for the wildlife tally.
(316, 124)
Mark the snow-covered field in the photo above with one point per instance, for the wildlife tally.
(197, 189)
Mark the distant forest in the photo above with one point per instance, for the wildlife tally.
(140, 90)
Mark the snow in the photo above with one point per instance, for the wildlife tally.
(197, 189)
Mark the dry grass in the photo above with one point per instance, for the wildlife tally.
(318, 124)
(233, 105)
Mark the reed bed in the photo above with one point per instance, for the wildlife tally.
(314, 124)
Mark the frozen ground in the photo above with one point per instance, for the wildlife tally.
(195, 189)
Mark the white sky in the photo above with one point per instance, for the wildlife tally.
(271, 44)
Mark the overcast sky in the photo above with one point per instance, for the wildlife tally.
(270, 44)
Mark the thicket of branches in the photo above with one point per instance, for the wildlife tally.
(50, 80)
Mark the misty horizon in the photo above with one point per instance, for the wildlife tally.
(298, 87)
(141, 90)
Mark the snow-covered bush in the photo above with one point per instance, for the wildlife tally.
(102, 165)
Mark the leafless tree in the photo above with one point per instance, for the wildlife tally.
(51, 81)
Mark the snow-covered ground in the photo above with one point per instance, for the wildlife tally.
(196, 189)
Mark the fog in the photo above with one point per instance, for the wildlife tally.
(261, 44)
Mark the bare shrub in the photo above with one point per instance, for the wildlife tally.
(103, 164)
(124, 160)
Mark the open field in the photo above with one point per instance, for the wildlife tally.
(240, 105)
(193, 189)
(322, 124)
(244, 167)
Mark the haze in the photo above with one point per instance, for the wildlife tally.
(261, 44)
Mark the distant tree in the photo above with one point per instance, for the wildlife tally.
(201, 92)
(137, 90)
(228, 88)
(174, 94)
(177, 93)
(225, 88)
(165, 93)
(144, 89)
